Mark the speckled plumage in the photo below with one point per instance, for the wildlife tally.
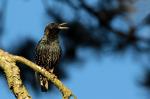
(48, 52)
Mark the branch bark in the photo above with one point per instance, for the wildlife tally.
(8, 65)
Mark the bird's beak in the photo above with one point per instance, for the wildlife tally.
(63, 26)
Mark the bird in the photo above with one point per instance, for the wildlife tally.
(48, 51)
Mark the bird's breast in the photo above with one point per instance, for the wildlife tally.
(53, 53)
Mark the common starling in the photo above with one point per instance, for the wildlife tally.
(48, 51)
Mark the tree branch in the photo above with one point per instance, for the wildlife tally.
(8, 64)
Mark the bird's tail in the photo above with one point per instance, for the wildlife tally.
(44, 83)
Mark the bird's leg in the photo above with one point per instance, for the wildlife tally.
(51, 70)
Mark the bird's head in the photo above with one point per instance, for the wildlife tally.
(54, 28)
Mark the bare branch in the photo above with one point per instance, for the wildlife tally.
(8, 64)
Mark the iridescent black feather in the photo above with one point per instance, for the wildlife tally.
(48, 51)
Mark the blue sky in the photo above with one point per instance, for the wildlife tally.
(92, 80)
